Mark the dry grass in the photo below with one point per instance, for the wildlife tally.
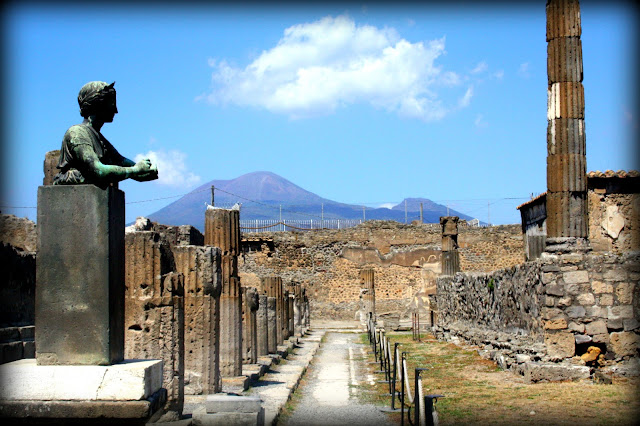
(478, 392)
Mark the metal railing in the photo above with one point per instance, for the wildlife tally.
(423, 406)
(274, 225)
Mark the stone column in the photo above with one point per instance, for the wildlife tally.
(567, 214)
(202, 286)
(367, 279)
(272, 320)
(450, 256)
(79, 311)
(262, 326)
(154, 310)
(291, 315)
(50, 167)
(222, 230)
(306, 317)
(272, 285)
(285, 317)
(249, 325)
(297, 309)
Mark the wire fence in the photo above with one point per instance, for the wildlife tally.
(273, 225)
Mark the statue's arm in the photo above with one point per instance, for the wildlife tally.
(142, 170)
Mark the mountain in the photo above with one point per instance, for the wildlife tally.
(264, 195)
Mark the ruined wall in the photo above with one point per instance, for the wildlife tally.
(17, 288)
(567, 302)
(405, 259)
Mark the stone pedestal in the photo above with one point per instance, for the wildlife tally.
(230, 410)
(80, 275)
(130, 390)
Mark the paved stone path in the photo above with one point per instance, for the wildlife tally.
(329, 393)
(276, 386)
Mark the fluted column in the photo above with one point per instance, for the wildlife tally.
(450, 256)
(222, 230)
(567, 214)
(272, 285)
(249, 326)
(262, 326)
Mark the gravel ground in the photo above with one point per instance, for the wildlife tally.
(329, 395)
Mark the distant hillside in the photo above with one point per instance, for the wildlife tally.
(263, 193)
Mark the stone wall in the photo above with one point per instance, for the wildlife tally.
(17, 288)
(552, 309)
(405, 259)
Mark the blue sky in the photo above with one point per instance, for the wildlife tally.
(359, 103)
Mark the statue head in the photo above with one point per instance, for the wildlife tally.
(98, 98)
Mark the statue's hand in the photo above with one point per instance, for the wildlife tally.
(142, 166)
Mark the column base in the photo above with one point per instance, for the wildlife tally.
(561, 245)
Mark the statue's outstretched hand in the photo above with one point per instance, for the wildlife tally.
(145, 171)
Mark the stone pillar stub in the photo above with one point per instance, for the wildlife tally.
(450, 255)
(272, 328)
(50, 168)
(367, 281)
(222, 230)
(272, 286)
(250, 333)
(200, 266)
(262, 328)
(79, 312)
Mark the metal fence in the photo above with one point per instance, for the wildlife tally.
(272, 225)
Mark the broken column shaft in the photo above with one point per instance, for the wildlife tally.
(249, 326)
(222, 230)
(367, 277)
(272, 285)
(262, 326)
(450, 255)
(567, 214)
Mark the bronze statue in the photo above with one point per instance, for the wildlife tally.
(87, 157)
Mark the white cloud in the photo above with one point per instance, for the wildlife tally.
(320, 66)
(499, 74)
(480, 122)
(481, 67)
(172, 168)
(523, 70)
(387, 205)
(466, 99)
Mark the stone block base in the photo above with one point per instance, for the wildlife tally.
(235, 384)
(222, 409)
(547, 372)
(84, 412)
(130, 380)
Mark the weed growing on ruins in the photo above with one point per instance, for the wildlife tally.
(477, 391)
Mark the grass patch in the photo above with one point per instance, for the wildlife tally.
(478, 392)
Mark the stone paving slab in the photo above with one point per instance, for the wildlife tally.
(277, 385)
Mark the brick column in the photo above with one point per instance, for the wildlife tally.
(450, 256)
(567, 214)
(222, 229)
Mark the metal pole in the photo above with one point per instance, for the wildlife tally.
(403, 357)
(405, 210)
(281, 225)
(395, 375)
(421, 216)
(364, 216)
(322, 215)
(416, 398)
(213, 189)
